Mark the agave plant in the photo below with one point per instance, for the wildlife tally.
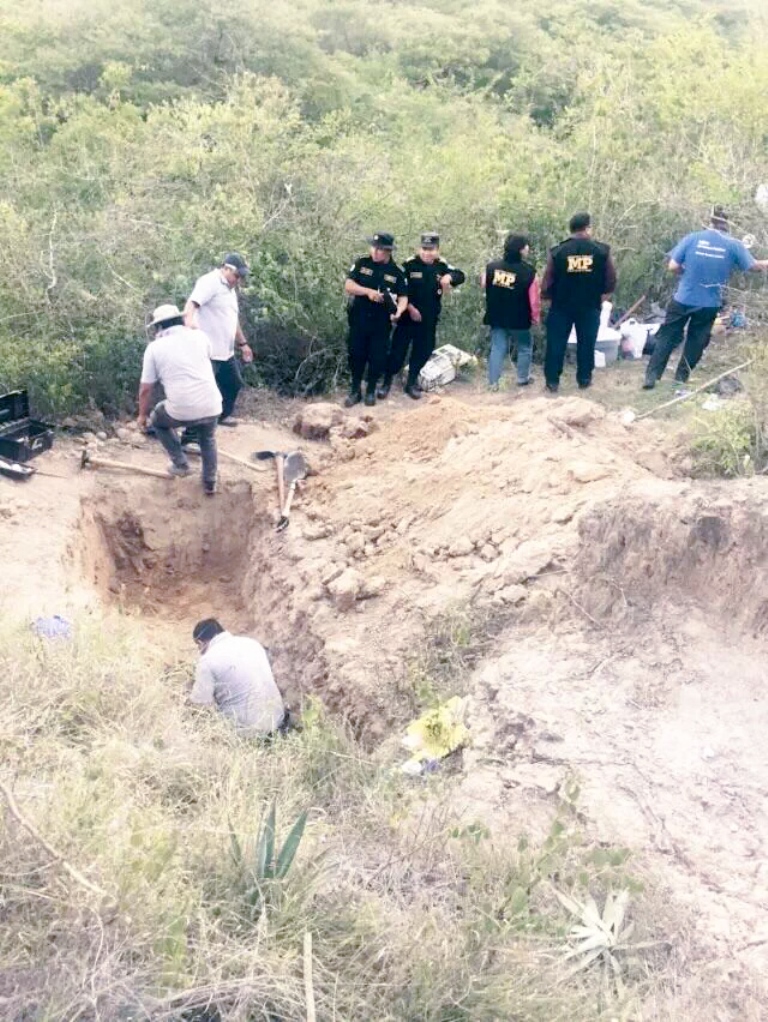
(268, 867)
(601, 937)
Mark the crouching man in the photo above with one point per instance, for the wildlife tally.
(233, 675)
(180, 359)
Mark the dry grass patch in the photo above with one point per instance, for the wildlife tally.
(415, 913)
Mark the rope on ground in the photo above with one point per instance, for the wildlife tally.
(696, 390)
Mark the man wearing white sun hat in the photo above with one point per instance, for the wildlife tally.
(180, 359)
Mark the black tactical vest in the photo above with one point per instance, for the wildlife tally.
(579, 280)
(506, 294)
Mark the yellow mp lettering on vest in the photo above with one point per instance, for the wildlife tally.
(503, 278)
(580, 264)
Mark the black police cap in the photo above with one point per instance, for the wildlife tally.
(382, 240)
(430, 240)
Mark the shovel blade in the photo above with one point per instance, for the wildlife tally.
(295, 467)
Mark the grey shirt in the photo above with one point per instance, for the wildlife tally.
(234, 675)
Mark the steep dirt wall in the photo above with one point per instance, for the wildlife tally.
(707, 547)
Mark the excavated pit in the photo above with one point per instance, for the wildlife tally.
(178, 559)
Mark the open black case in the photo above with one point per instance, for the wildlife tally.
(21, 438)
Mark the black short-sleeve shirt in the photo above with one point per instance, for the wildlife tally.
(424, 283)
(380, 277)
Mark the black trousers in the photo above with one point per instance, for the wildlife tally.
(670, 335)
(559, 324)
(229, 380)
(368, 348)
(419, 338)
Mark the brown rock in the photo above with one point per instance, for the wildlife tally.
(462, 547)
(353, 428)
(355, 543)
(315, 421)
(580, 413)
(529, 560)
(587, 472)
(346, 589)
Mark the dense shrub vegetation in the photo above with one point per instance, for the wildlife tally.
(139, 141)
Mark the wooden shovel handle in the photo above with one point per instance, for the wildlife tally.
(238, 461)
(279, 466)
(124, 466)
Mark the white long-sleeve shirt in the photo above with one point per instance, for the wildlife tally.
(234, 675)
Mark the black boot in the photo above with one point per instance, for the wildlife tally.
(370, 396)
(354, 397)
(413, 390)
(383, 391)
(650, 381)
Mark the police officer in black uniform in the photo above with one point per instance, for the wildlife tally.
(378, 290)
(429, 277)
(579, 275)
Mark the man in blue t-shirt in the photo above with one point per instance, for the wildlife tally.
(704, 262)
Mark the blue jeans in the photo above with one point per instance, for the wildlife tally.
(205, 435)
(501, 338)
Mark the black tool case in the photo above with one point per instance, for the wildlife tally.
(21, 438)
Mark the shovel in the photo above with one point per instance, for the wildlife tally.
(280, 459)
(294, 470)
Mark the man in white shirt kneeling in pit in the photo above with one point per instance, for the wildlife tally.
(234, 676)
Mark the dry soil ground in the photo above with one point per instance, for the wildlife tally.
(630, 606)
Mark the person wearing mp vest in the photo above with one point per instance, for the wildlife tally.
(579, 275)
(512, 305)
(212, 307)
(378, 297)
(429, 277)
(704, 262)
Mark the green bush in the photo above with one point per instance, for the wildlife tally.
(131, 161)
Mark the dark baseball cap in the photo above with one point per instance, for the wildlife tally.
(382, 240)
(430, 240)
(236, 262)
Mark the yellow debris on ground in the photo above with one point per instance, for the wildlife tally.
(435, 734)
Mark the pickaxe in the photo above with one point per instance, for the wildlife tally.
(17, 470)
(87, 460)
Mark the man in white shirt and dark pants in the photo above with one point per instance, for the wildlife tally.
(212, 307)
(233, 675)
(180, 359)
